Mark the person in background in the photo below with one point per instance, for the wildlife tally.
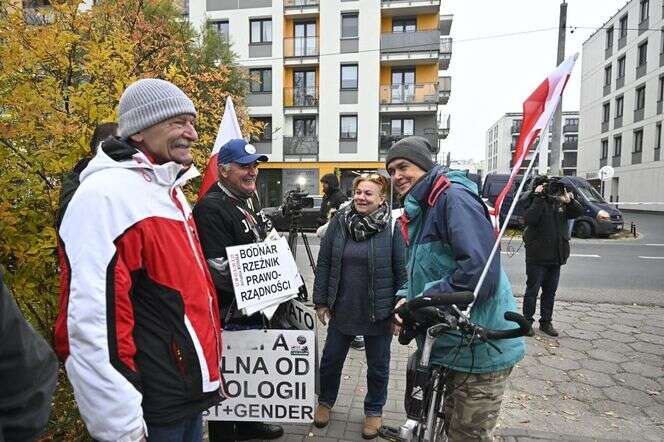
(71, 181)
(449, 237)
(360, 268)
(549, 207)
(228, 215)
(28, 374)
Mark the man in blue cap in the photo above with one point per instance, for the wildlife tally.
(229, 215)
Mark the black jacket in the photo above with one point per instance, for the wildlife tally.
(221, 223)
(28, 374)
(387, 268)
(546, 236)
(333, 197)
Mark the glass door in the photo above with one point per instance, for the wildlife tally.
(305, 39)
(304, 87)
(403, 86)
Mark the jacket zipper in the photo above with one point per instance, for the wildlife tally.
(371, 278)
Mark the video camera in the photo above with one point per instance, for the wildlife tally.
(294, 201)
(553, 187)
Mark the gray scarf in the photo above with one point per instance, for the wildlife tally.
(361, 227)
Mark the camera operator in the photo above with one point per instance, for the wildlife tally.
(548, 207)
(228, 215)
(333, 197)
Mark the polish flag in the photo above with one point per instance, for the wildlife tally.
(538, 110)
(229, 129)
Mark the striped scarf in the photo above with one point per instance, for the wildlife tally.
(361, 227)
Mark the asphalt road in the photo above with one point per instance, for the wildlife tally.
(627, 271)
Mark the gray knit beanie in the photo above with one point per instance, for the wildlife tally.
(415, 149)
(150, 101)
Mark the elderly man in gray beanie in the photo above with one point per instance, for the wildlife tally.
(447, 229)
(138, 328)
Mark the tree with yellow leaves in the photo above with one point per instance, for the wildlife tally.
(61, 74)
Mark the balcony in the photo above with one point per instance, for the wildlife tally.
(410, 47)
(617, 122)
(387, 140)
(606, 90)
(445, 53)
(661, 59)
(415, 97)
(301, 8)
(414, 7)
(445, 24)
(570, 128)
(643, 26)
(515, 129)
(602, 162)
(638, 114)
(620, 82)
(657, 154)
(443, 129)
(301, 100)
(570, 145)
(608, 52)
(641, 70)
(615, 161)
(605, 126)
(622, 41)
(301, 146)
(444, 89)
(301, 51)
(659, 107)
(636, 157)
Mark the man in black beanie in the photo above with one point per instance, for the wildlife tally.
(447, 229)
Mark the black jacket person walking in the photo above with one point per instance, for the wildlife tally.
(333, 197)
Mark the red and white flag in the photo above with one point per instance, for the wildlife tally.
(538, 110)
(229, 129)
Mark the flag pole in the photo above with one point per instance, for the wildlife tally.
(543, 135)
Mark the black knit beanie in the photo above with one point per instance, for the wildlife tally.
(415, 149)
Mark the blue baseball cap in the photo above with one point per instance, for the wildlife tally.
(239, 151)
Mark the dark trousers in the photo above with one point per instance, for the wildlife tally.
(546, 277)
(377, 349)
(186, 430)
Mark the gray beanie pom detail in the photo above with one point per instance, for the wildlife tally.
(150, 101)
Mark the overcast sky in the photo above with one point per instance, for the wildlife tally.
(493, 74)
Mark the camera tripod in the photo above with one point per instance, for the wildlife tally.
(295, 228)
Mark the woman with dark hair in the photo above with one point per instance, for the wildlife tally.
(360, 268)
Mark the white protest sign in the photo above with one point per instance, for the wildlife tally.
(300, 316)
(269, 376)
(262, 273)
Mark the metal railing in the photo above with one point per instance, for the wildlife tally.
(415, 41)
(300, 3)
(387, 139)
(301, 96)
(301, 46)
(301, 145)
(409, 93)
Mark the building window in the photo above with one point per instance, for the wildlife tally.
(571, 121)
(658, 136)
(617, 146)
(660, 90)
(402, 127)
(304, 127)
(640, 97)
(404, 25)
(261, 30)
(621, 67)
(638, 141)
(604, 150)
(620, 102)
(349, 26)
(661, 41)
(220, 27)
(261, 80)
(623, 26)
(607, 76)
(609, 38)
(606, 112)
(348, 127)
(349, 76)
(643, 14)
(266, 132)
(642, 54)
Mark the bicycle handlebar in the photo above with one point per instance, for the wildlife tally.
(408, 310)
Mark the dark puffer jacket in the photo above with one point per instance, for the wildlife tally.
(546, 235)
(333, 197)
(387, 271)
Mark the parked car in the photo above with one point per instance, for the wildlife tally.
(599, 218)
(310, 215)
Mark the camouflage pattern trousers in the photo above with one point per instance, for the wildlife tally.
(472, 404)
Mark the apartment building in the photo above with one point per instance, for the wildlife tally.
(337, 82)
(502, 136)
(622, 91)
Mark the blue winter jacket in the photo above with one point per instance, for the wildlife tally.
(387, 272)
(449, 239)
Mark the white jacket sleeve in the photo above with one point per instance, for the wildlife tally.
(109, 403)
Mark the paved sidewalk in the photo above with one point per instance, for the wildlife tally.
(602, 379)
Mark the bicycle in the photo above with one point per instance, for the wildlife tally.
(424, 401)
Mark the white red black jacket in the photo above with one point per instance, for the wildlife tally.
(138, 328)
